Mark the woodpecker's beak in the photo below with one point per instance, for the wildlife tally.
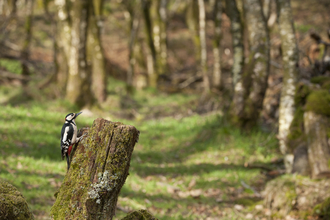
(77, 114)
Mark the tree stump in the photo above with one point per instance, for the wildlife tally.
(316, 127)
(12, 203)
(99, 167)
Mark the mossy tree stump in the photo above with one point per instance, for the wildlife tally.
(99, 167)
(12, 203)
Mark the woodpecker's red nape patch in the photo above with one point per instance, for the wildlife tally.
(69, 150)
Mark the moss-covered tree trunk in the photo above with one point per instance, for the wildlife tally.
(216, 76)
(290, 76)
(95, 53)
(78, 90)
(62, 43)
(99, 167)
(316, 128)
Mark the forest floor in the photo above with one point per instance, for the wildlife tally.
(185, 166)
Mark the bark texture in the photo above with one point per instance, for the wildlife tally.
(99, 167)
(12, 203)
(290, 76)
(316, 127)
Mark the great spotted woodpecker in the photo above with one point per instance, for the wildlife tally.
(69, 136)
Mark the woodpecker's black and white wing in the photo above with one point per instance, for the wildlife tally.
(66, 137)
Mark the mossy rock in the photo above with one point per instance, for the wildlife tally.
(298, 196)
(139, 215)
(318, 102)
(12, 203)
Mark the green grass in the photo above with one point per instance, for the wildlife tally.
(173, 159)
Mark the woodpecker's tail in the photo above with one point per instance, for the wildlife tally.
(68, 161)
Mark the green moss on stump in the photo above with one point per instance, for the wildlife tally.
(318, 102)
(139, 215)
(12, 203)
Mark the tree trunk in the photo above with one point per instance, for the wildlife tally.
(27, 41)
(237, 29)
(99, 168)
(162, 54)
(134, 23)
(78, 90)
(158, 13)
(290, 76)
(95, 54)
(192, 23)
(217, 13)
(316, 127)
(62, 43)
(203, 48)
(151, 51)
(256, 76)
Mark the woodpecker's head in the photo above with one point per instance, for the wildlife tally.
(72, 116)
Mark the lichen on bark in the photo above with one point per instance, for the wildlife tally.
(98, 170)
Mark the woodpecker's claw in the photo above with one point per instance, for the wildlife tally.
(81, 137)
